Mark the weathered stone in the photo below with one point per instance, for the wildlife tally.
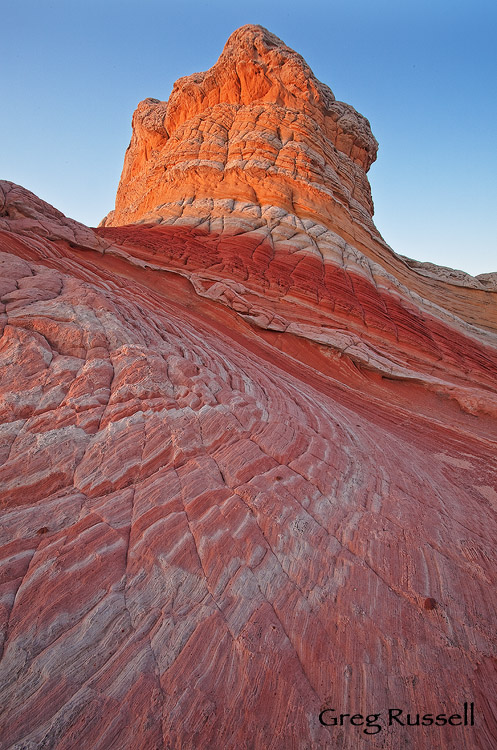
(247, 460)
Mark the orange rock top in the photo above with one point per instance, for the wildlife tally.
(257, 126)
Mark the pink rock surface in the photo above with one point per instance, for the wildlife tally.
(247, 473)
(210, 535)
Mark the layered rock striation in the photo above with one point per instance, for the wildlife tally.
(258, 127)
(247, 453)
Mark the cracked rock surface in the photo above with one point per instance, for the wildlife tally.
(247, 460)
(212, 524)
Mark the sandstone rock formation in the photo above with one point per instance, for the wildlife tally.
(247, 453)
(256, 127)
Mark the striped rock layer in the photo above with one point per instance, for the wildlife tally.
(247, 453)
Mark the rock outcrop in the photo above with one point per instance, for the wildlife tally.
(247, 453)
(257, 127)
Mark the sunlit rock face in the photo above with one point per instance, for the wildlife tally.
(259, 127)
(247, 453)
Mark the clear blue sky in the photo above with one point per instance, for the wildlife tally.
(423, 73)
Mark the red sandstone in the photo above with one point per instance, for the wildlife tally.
(247, 453)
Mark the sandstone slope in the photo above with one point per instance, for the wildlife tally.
(247, 453)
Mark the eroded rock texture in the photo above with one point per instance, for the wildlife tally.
(247, 453)
(258, 126)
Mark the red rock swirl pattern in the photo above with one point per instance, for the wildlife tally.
(207, 541)
(284, 275)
